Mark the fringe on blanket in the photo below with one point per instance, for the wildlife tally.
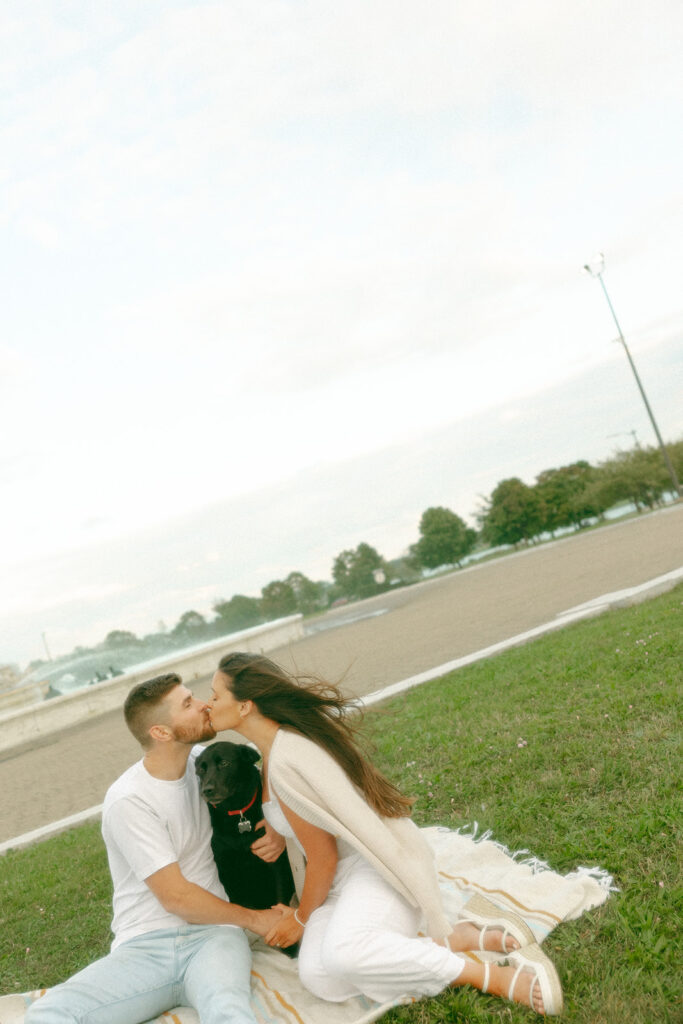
(599, 875)
(524, 857)
(468, 861)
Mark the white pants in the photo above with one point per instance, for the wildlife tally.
(363, 941)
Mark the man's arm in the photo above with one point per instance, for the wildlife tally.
(198, 906)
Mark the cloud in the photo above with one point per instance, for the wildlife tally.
(42, 232)
(13, 366)
(30, 599)
(216, 86)
(251, 238)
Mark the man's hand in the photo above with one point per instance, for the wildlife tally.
(268, 920)
(270, 846)
(286, 930)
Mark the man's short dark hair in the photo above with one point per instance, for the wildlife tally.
(143, 702)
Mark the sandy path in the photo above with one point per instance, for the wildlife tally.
(416, 629)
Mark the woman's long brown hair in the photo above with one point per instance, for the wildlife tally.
(318, 711)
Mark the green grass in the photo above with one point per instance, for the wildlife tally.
(55, 909)
(595, 782)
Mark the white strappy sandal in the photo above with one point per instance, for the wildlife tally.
(533, 958)
(483, 912)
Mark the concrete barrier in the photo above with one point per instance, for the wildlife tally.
(19, 696)
(32, 721)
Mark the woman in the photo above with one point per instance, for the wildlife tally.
(370, 882)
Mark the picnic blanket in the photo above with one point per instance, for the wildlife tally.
(468, 862)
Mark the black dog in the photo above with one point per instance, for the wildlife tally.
(230, 783)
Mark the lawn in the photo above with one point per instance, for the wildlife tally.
(568, 746)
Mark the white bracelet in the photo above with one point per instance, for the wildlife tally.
(298, 919)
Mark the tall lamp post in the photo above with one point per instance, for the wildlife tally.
(47, 649)
(595, 269)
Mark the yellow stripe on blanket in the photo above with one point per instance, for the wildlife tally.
(468, 884)
(278, 995)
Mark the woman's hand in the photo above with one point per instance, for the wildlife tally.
(269, 846)
(320, 849)
(287, 931)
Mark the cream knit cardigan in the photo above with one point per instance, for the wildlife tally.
(307, 779)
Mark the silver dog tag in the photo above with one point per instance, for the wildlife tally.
(244, 825)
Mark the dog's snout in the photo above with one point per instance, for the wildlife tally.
(207, 785)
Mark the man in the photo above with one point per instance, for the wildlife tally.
(177, 940)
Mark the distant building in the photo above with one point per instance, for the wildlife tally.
(10, 676)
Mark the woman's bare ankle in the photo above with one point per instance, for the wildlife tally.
(466, 936)
(499, 981)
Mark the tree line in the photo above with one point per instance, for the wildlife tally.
(576, 495)
(568, 497)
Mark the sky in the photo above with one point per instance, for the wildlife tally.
(279, 276)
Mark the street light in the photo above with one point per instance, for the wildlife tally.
(627, 433)
(595, 269)
(47, 649)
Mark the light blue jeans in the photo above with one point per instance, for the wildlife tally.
(203, 966)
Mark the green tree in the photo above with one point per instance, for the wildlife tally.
(277, 600)
(406, 568)
(119, 638)
(240, 612)
(639, 475)
(445, 538)
(512, 513)
(309, 596)
(567, 495)
(675, 451)
(361, 572)
(190, 627)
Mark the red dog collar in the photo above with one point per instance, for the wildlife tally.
(251, 802)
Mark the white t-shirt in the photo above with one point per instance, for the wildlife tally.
(148, 823)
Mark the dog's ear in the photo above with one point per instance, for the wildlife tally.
(249, 754)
